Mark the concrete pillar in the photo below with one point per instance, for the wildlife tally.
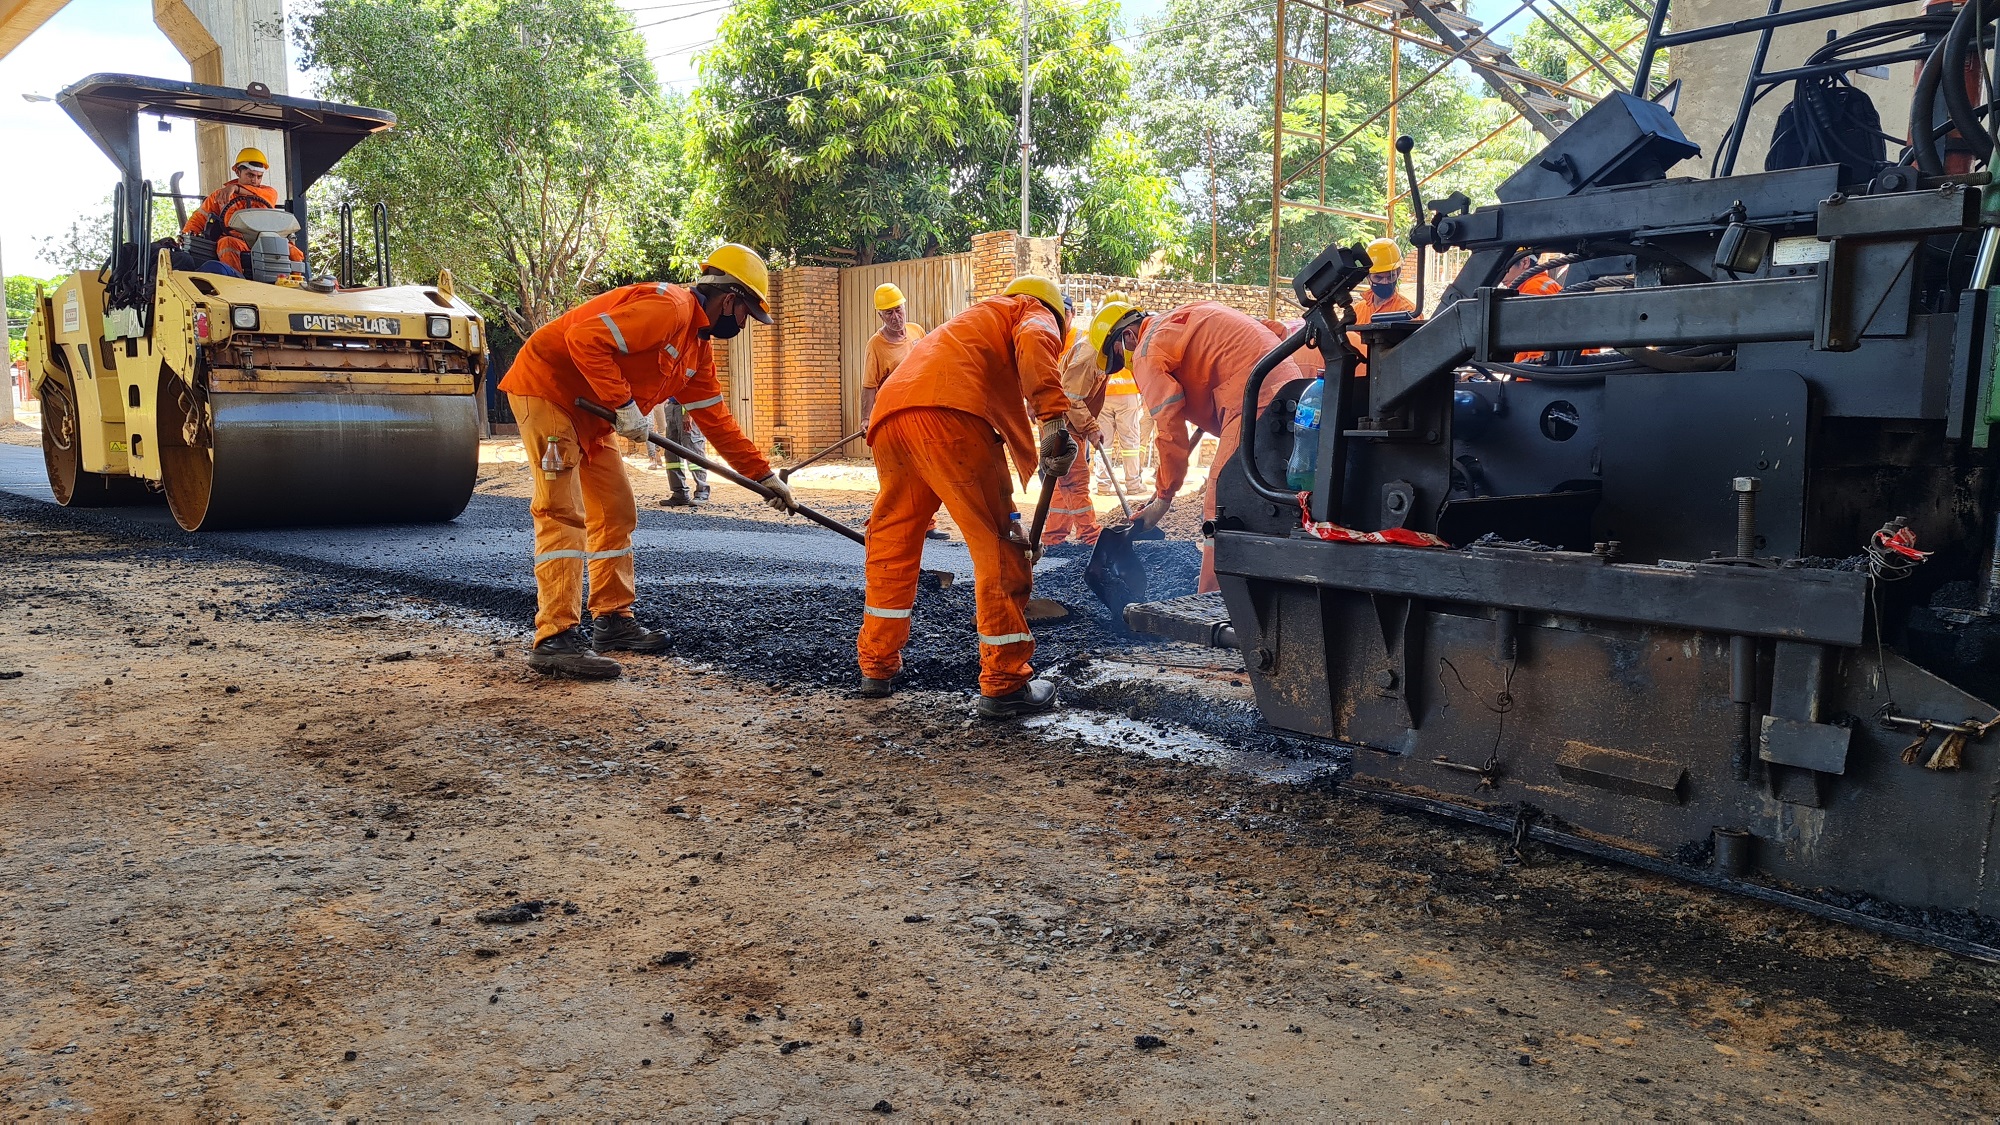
(20, 18)
(1000, 256)
(231, 43)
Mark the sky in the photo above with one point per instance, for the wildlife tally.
(52, 173)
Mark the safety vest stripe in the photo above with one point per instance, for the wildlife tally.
(545, 556)
(661, 288)
(618, 337)
(1155, 412)
(704, 404)
(1006, 638)
(1073, 511)
(877, 611)
(672, 351)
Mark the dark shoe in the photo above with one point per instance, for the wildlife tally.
(677, 500)
(619, 632)
(875, 689)
(934, 533)
(701, 496)
(568, 654)
(1034, 698)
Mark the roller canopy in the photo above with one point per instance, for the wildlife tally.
(318, 134)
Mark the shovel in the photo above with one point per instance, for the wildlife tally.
(786, 474)
(1115, 573)
(1043, 609)
(727, 473)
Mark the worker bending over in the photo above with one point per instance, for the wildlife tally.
(1123, 416)
(1072, 515)
(628, 350)
(247, 190)
(941, 430)
(1191, 365)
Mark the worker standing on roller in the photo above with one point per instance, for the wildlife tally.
(247, 189)
(1191, 365)
(628, 350)
(941, 429)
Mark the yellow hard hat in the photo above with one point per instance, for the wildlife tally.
(252, 156)
(1384, 255)
(1041, 289)
(744, 266)
(1107, 318)
(887, 297)
(1117, 295)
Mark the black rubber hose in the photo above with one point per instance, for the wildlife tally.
(1957, 101)
(1923, 115)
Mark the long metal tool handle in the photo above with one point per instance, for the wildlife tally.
(1115, 486)
(1041, 513)
(786, 474)
(726, 473)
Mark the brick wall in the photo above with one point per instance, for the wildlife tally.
(796, 393)
(1000, 256)
(1088, 289)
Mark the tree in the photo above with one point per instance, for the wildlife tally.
(1203, 98)
(1119, 211)
(519, 123)
(887, 129)
(83, 245)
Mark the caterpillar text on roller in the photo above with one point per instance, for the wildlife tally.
(283, 396)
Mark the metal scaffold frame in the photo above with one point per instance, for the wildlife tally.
(1544, 103)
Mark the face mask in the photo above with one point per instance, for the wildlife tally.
(723, 328)
(1383, 290)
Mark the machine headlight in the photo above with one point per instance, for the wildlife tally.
(243, 317)
(472, 332)
(440, 327)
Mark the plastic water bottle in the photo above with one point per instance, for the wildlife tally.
(552, 458)
(1304, 465)
(1016, 534)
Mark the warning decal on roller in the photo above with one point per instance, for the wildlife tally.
(346, 322)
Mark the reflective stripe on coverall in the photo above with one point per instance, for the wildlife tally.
(1192, 365)
(939, 432)
(638, 343)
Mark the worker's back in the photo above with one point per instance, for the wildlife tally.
(1208, 348)
(985, 361)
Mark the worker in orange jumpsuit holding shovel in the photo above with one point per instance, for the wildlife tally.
(941, 430)
(1191, 365)
(628, 350)
(1072, 515)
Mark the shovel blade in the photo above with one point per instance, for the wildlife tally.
(1115, 573)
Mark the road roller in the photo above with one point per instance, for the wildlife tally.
(288, 396)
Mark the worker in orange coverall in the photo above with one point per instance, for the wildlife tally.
(1385, 273)
(1072, 515)
(941, 431)
(628, 350)
(1192, 365)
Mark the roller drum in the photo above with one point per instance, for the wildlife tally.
(307, 459)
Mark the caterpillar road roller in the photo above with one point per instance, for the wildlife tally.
(283, 397)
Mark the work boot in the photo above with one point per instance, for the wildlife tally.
(934, 533)
(568, 654)
(1035, 697)
(875, 689)
(677, 500)
(701, 495)
(619, 632)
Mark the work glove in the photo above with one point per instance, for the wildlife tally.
(1058, 448)
(631, 422)
(1153, 512)
(781, 494)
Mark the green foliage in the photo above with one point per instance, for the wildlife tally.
(1578, 55)
(519, 125)
(888, 129)
(21, 302)
(1124, 211)
(1203, 98)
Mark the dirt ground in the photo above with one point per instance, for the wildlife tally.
(244, 856)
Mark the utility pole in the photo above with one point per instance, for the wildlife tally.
(1214, 239)
(1027, 144)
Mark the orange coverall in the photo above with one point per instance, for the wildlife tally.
(1071, 513)
(223, 202)
(638, 343)
(939, 431)
(1366, 307)
(1192, 365)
